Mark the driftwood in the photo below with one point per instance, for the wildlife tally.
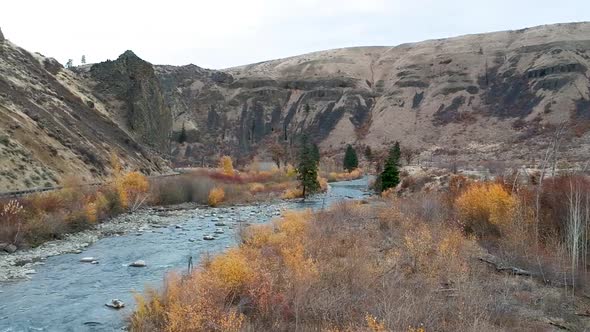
(492, 260)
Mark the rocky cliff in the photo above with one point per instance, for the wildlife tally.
(486, 96)
(130, 88)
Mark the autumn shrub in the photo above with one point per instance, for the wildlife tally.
(357, 173)
(216, 196)
(11, 221)
(291, 193)
(226, 165)
(485, 206)
(132, 188)
(256, 188)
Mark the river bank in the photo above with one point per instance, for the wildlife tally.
(67, 295)
(23, 263)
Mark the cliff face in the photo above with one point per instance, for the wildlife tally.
(132, 90)
(53, 124)
(496, 95)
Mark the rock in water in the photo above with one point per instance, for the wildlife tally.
(115, 304)
(208, 237)
(138, 263)
(88, 260)
(11, 248)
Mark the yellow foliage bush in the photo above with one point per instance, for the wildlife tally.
(357, 173)
(374, 324)
(231, 270)
(290, 171)
(291, 193)
(256, 187)
(216, 196)
(131, 187)
(226, 164)
(483, 204)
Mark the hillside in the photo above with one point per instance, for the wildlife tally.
(487, 96)
(56, 123)
(495, 96)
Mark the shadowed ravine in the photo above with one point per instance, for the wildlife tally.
(66, 295)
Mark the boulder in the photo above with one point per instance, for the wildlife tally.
(115, 304)
(10, 248)
(3, 245)
(208, 237)
(138, 263)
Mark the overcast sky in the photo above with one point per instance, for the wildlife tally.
(226, 33)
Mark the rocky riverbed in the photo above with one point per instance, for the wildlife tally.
(23, 263)
(64, 285)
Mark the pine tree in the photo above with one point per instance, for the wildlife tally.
(396, 153)
(70, 63)
(182, 136)
(315, 153)
(308, 169)
(351, 160)
(389, 178)
(83, 60)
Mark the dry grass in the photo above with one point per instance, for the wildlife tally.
(410, 264)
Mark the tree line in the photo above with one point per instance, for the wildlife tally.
(309, 159)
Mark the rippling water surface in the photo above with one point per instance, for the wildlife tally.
(66, 295)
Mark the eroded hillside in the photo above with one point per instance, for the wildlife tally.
(53, 125)
(497, 95)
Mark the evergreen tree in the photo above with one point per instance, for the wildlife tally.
(389, 178)
(308, 169)
(396, 153)
(315, 153)
(351, 160)
(182, 136)
(83, 60)
(70, 63)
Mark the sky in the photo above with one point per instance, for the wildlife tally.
(225, 33)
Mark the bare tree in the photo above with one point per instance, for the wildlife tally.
(408, 154)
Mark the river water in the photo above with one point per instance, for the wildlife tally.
(66, 295)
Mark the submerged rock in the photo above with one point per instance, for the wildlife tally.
(115, 304)
(10, 248)
(138, 263)
(208, 237)
(88, 260)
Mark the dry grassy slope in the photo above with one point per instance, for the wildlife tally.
(494, 95)
(52, 125)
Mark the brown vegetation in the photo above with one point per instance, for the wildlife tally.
(32, 220)
(430, 262)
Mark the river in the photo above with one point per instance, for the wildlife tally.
(66, 295)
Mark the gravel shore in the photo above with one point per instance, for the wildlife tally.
(22, 263)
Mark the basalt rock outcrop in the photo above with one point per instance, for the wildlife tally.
(129, 86)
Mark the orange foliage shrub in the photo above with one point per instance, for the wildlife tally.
(216, 196)
(131, 188)
(357, 173)
(483, 205)
(256, 187)
(291, 193)
(226, 164)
